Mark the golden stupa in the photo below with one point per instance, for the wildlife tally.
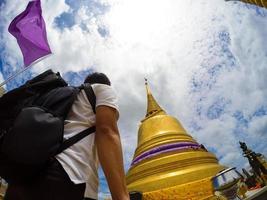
(168, 163)
(262, 3)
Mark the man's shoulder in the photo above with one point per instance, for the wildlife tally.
(105, 95)
(102, 88)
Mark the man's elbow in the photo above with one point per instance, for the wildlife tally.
(107, 131)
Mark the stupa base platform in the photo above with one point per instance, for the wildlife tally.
(196, 190)
(172, 170)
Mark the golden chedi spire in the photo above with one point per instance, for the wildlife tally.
(167, 156)
(153, 107)
(262, 3)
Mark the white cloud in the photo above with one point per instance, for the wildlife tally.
(52, 9)
(1, 77)
(258, 126)
(170, 43)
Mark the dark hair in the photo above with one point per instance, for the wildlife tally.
(97, 77)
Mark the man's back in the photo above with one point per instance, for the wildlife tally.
(80, 161)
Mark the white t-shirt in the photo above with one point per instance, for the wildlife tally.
(80, 161)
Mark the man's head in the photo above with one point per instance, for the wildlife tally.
(97, 77)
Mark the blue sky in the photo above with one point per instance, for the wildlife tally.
(210, 55)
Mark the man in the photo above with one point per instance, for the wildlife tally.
(73, 174)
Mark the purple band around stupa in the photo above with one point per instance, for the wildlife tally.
(164, 149)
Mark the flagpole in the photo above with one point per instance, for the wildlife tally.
(14, 75)
(18, 72)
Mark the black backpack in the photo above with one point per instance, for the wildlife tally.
(32, 125)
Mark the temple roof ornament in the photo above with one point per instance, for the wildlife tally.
(256, 160)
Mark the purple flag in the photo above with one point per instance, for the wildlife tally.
(29, 30)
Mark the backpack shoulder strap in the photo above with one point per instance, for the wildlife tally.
(76, 138)
(90, 95)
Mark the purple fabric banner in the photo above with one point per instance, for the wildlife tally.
(29, 30)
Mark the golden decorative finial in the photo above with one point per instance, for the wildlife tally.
(152, 106)
(147, 88)
(146, 81)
